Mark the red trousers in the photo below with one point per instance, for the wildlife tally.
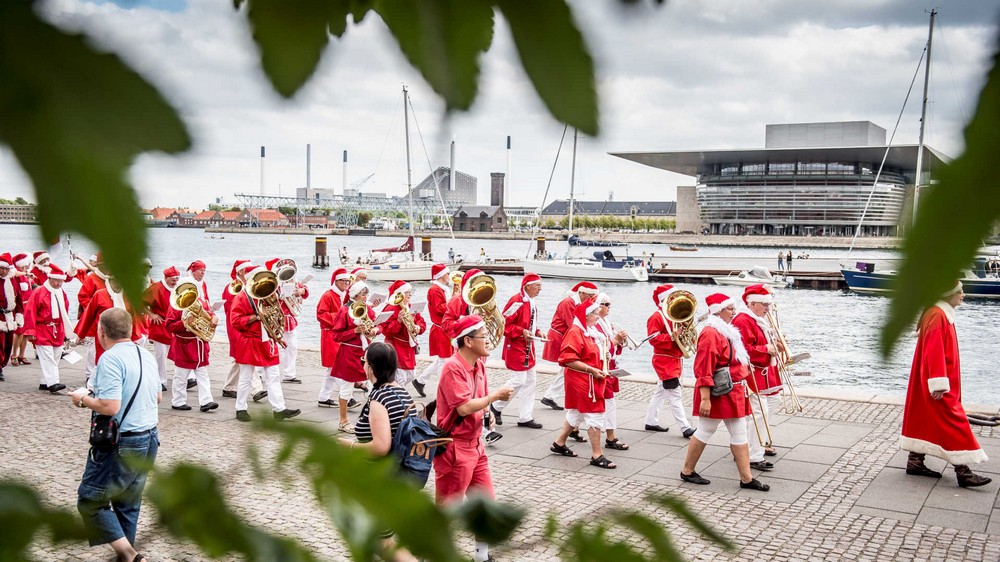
(460, 469)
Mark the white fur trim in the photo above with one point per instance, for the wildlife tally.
(768, 298)
(403, 288)
(953, 290)
(43, 256)
(933, 449)
(19, 319)
(949, 311)
(717, 308)
(937, 384)
(442, 273)
(471, 329)
(23, 262)
(356, 288)
(730, 333)
(57, 277)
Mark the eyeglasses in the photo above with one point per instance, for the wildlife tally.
(606, 304)
(477, 337)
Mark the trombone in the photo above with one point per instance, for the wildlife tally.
(760, 401)
(630, 342)
(791, 404)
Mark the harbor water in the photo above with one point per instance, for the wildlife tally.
(839, 329)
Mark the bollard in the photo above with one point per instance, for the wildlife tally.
(321, 259)
(425, 249)
(540, 248)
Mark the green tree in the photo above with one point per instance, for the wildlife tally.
(20, 201)
(364, 217)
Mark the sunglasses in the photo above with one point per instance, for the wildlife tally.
(606, 304)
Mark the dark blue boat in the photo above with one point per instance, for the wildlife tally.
(575, 240)
(975, 284)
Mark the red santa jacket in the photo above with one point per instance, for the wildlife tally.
(157, 298)
(561, 321)
(667, 357)
(327, 308)
(11, 305)
(89, 286)
(399, 338)
(611, 386)
(584, 392)
(763, 369)
(187, 351)
(437, 305)
(352, 346)
(86, 326)
(714, 353)
(227, 307)
(455, 309)
(39, 322)
(25, 288)
(519, 315)
(38, 276)
(249, 348)
(291, 322)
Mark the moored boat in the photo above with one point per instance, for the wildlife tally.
(756, 275)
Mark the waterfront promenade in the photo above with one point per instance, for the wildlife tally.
(838, 493)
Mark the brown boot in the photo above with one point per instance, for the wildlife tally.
(969, 479)
(915, 466)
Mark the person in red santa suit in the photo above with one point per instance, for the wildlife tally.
(720, 348)
(111, 296)
(667, 363)
(457, 307)
(934, 421)
(22, 278)
(462, 399)
(439, 344)
(254, 348)
(197, 269)
(614, 342)
(561, 321)
(520, 331)
(157, 299)
(94, 280)
(329, 305)
(190, 356)
(763, 381)
(11, 310)
(353, 339)
(585, 374)
(398, 335)
(46, 323)
(289, 290)
(238, 284)
(40, 265)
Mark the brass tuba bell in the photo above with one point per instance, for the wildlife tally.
(263, 287)
(196, 319)
(480, 294)
(359, 315)
(679, 308)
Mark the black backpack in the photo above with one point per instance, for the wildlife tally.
(416, 443)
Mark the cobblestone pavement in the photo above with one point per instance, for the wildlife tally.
(838, 491)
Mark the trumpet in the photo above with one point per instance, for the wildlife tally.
(196, 319)
(359, 315)
(263, 287)
(783, 359)
(480, 294)
(286, 270)
(405, 316)
(679, 308)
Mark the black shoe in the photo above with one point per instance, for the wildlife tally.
(419, 386)
(260, 396)
(229, 394)
(497, 415)
(285, 414)
(293, 380)
(192, 383)
(2, 378)
(182, 407)
(56, 388)
(973, 480)
(922, 471)
(695, 478)
(530, 423)
(163, 387)
(754, 485)
(353, 404)
(492, 437)
(762, 465)
(551, 404)
(209, 407)
(328, 402)
(689, 432)
(42, 387)
(656, 428)
(242, 415)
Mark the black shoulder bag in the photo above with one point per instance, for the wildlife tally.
(104, 429)
(722, 379)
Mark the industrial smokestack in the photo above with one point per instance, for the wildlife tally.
(308, 166)
(506, 197)
(344, 179)
(451, 171)
(262, 170)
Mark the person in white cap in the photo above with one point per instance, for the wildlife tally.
(439, 343)
(46, 324)
(520, 331)
(398, 335)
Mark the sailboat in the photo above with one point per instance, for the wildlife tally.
(597, 268)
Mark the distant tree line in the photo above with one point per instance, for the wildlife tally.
(15, 201)
(609, 222)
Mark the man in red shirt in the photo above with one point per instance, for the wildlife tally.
(439, 343)
(157, 299)
(520, 329)
(462, 399)
(561, 321)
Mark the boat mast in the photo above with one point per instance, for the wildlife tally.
(923, 118)
(572, 182)
(409, 176)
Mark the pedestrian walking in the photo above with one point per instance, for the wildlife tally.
(788, 261)
(781, 261)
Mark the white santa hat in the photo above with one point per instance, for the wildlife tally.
(465, 326)
(757, 293)
(56, 272)
(399, 287)
(41, 256)
(356, 289)
(439, 270)
(22, 260)
(717, 302)
(953, 290)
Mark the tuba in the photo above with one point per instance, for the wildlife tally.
(405, 316)
(236, 287)
(359, 314)
(679, 308)
(263, 287)
(480, 294)
(196, 319)
(286, 270)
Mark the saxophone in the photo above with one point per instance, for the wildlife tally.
(405, 316)
(196, 319)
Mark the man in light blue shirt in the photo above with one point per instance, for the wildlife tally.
(126, 386)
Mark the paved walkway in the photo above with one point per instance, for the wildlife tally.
(838, 493)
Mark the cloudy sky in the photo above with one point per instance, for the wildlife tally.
(693, 74)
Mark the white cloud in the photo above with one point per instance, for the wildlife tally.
(692, 74)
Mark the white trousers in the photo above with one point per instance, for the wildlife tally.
(432, 370)
(773, 404)
(674, 398)
(48, 360)
(582, 421)
(179, 390)
(160, 351)
(610, 414)
(91, 357)
(288, 355)
(271, 379)
(234, 378)
(737, 428)
(404, 376)
(523, 383)
(344, 389)
(556, 390)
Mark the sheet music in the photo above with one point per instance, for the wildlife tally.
(72, 357)
(620, 373)
(375, 299)
(417, 307)
(305, 280)
(217, 306)
(382, 317)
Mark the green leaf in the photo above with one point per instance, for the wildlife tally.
(489, 521)
(443, 40)
(292, 35)
(189, 505)
(652, 531)
(592, 545)
(75, 119)
(681, 509)
(556, 58)
(953, 218)
(22, 515)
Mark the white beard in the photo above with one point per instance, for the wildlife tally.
(731, 334)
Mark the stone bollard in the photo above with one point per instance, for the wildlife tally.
(321, 259)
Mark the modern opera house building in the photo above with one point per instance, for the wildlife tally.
(810, 179)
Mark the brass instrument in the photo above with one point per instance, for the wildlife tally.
(480, 294)
(359, 314)
(783, 359)
(196, 319)
(629, 341)
(286, 270)
(456, 282)
(679, 308)
(263, 287)
(236, 287)
(405, 316)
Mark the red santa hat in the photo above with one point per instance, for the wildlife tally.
(661, 293)
(439, 270)
(239, 265)
(757, 293)
(585, 286)
(356, 289)
(530, 279)
(399, 287)
(466, 279)
(584, 309)
(357, 270)
(56, 272)
(22, 260)
(196, 265)
(466, 326)
(269, 264)
(40, 256)
(171, 272)
(717, 302)
(6, 260)
(339, 274)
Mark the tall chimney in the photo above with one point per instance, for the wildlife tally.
(262, 170)
(344, 179)
(451, 171)
(308, 166)
(496, 189)
(505, 201)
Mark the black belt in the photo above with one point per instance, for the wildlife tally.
(135, 433)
